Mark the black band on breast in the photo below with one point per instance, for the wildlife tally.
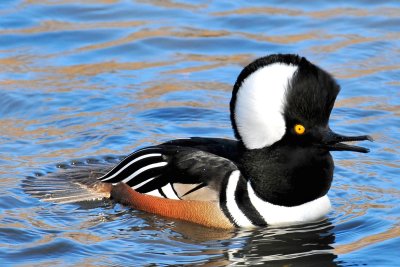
(245, 205)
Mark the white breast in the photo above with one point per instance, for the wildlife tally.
(280, 215)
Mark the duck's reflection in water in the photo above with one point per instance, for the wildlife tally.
(272, 246)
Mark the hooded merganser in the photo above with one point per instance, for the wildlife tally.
(278, 171)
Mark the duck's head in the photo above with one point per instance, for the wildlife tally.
(288, 99)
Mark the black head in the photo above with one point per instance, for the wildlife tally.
(285, 98)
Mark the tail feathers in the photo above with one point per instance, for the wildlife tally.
(71, 185)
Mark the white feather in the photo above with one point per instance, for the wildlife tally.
(143, 183)
(130, 163)
(260, 104)
(238, 216)
(280, 215)
(169, 192)
(136, 173)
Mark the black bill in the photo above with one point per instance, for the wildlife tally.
(334, 142)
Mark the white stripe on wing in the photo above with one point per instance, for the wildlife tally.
(130, 163)
(145, 168)
(143, 183)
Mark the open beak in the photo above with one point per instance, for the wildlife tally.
(333, 142)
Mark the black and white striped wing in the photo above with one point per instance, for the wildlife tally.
(138, 169)
(173, 172)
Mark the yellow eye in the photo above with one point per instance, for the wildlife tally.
(299, 129)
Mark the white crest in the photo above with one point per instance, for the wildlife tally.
(259, 105)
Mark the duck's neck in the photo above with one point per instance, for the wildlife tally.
(288, 176)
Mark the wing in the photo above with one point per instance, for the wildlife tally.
(173, 172)
(226, 148)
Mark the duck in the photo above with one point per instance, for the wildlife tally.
(277, 171)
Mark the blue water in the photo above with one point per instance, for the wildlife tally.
(98, 79)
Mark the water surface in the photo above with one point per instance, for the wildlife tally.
(94, 80)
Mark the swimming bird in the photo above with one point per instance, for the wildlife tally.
(278, 170)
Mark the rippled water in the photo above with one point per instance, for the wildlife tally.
(95, 80)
